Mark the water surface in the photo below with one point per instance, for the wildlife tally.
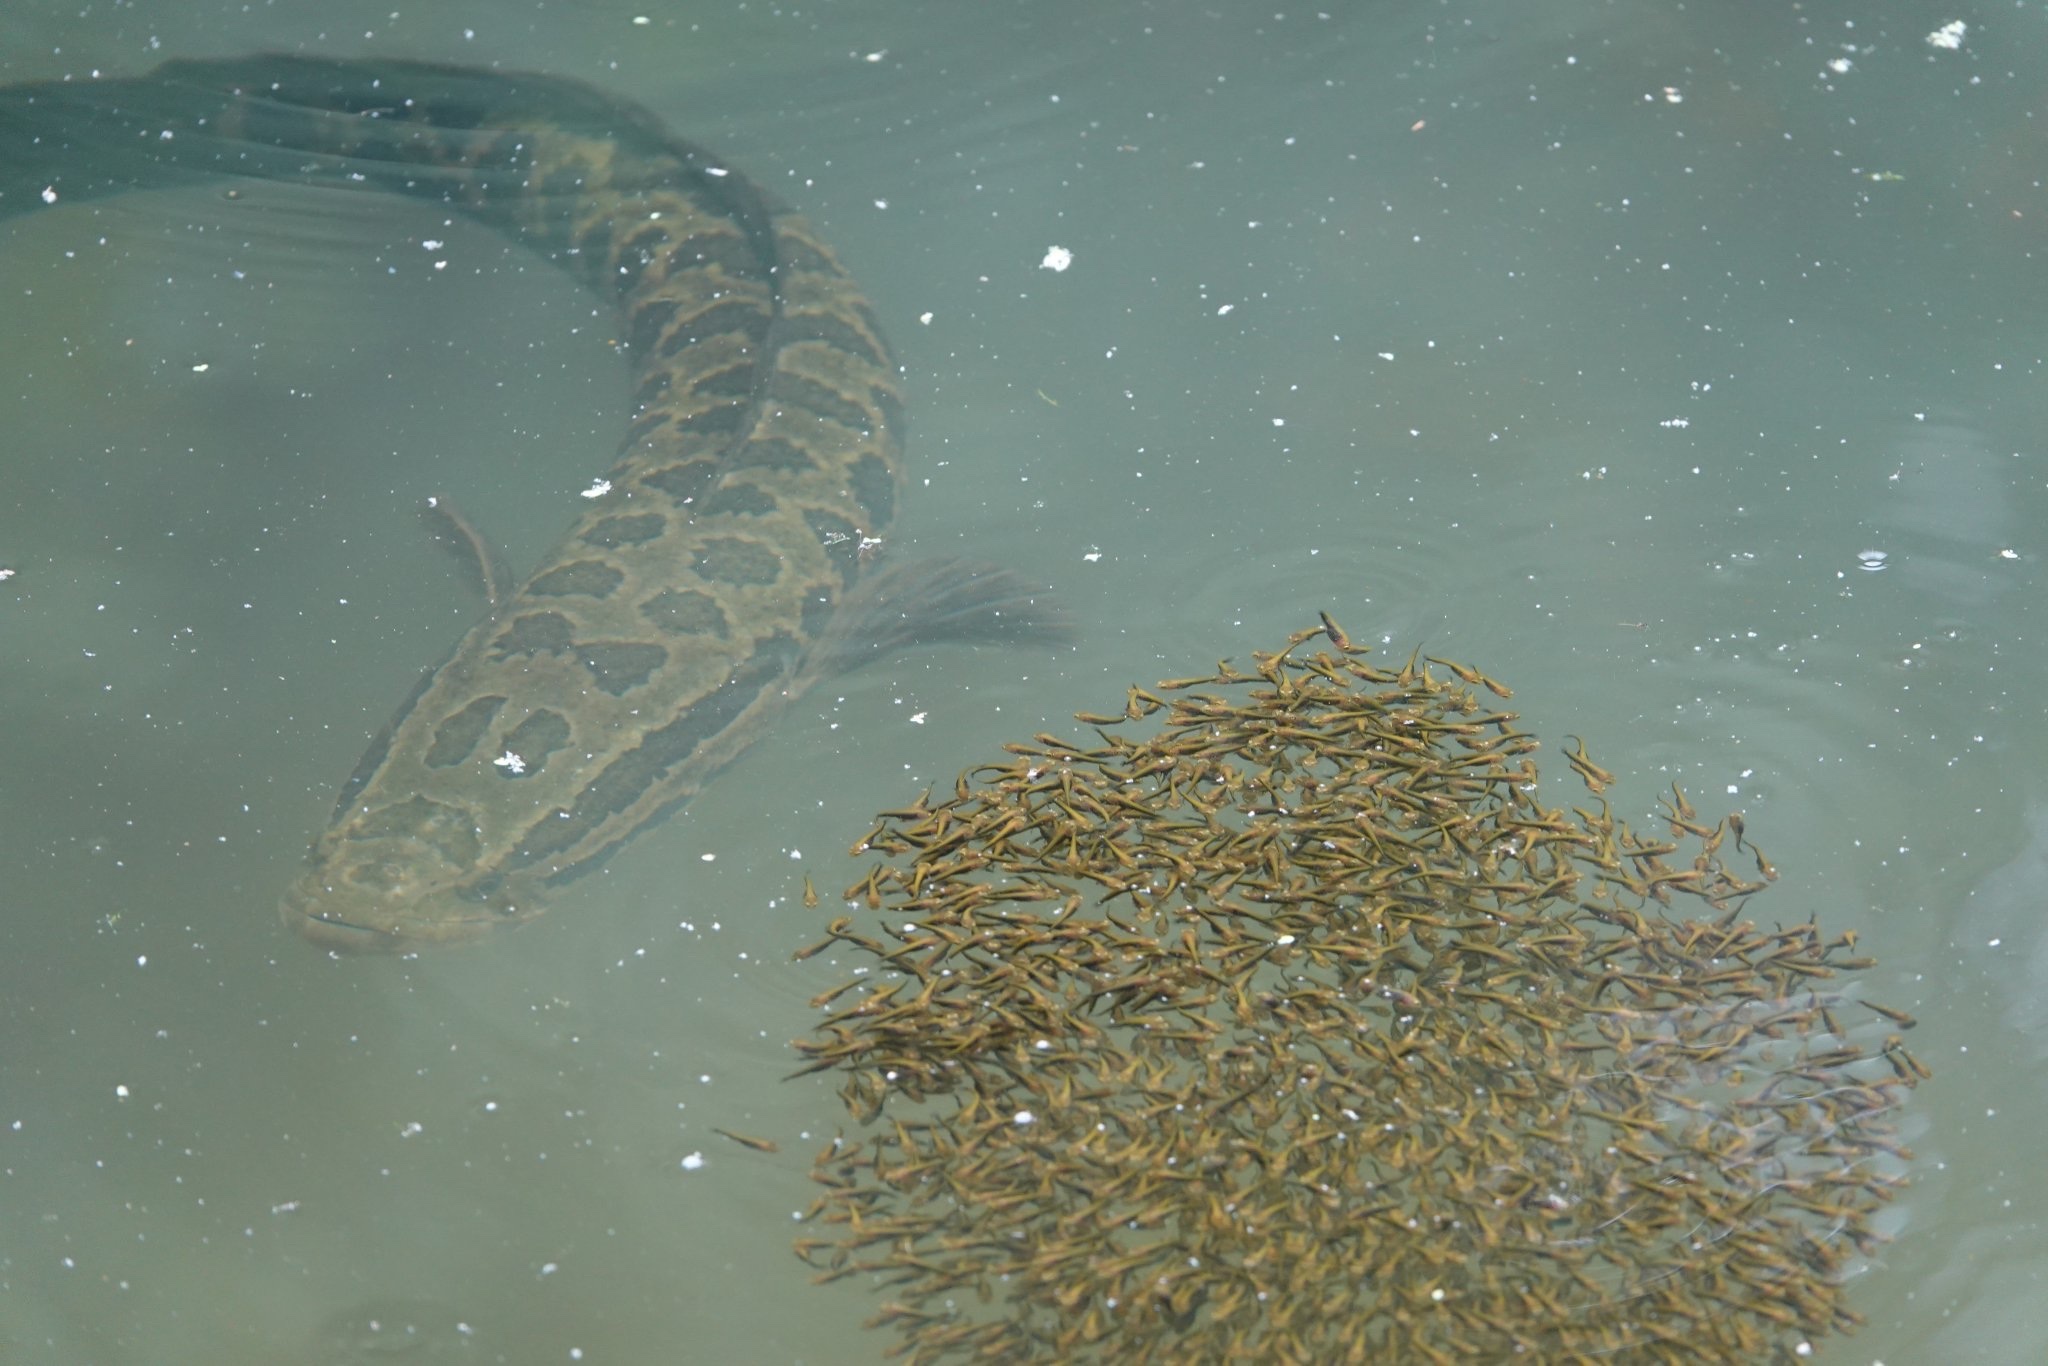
(1682, 365)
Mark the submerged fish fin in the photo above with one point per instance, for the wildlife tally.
(483, 566)
(925, 602)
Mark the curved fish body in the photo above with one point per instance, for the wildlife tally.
(690, 598)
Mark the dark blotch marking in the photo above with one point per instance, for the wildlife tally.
(889, 404)
(728, 381)
(737, 500)
(534, 739)
(686, 612)
(627, 778)
(648, 421)
(724, 318)
(626, 529)
(621, 666)
(584, 578)
(650, 320)
(731, 251)
(648, 239)
(875, 488)
(841, 540)
(457, 737)
(794, 391)
(380, 746)
(728, 559)
(833, 331)
(724, 420)
(537, 633)
(773, 453)
(682, 482)
(653, 390)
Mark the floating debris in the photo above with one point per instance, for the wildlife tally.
(1299, 1031)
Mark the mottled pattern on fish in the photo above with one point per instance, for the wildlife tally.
(676, 613)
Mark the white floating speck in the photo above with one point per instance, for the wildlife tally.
(917, 717)
(1023, 1117)
(511, 763)
(1056, 258)
(598, 488)
(693, 1162)
(2006, 554)
(1872, 560)
(49, 194)
(1949, 35)
(707, 857)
